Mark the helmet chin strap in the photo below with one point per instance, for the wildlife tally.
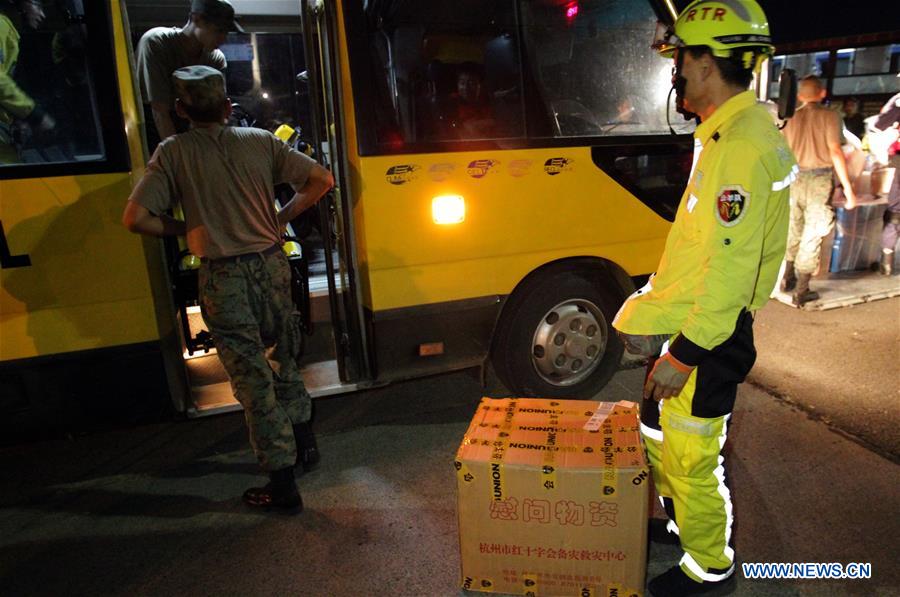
(668, 111)
(679, 84)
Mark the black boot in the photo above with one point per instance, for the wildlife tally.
(280, 493)
(789, 280)
(307, 450)
(886, 266)
(802, 293)
(675, 583)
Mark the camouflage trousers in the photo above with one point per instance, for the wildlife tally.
(811, 218)
(248, 309)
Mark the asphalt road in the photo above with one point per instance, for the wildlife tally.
(841, 367)
(156, 510)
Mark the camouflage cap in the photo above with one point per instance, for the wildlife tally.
(201, 87)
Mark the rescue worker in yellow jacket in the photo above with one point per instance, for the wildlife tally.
(694, 318)
(15, 104)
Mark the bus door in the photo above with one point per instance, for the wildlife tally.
(268, 81)
(322, 36)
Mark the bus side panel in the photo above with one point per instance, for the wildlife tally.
(524, 208)
(79, 332)
(415, 341)
(82, 392)
(87, 284)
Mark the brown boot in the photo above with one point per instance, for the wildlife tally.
(802, 293)
(789, 280)
(279, 493)
(886, 266)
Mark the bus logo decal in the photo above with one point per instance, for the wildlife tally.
(554, 166)
(441, 172)
(479, 168)
(518, 168)
(401, 174)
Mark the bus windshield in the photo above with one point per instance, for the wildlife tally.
(466, 70)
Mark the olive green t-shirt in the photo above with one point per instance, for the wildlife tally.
(224, 179)
(160, 52)
(809, 132)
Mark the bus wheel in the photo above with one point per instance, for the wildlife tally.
(555, 337)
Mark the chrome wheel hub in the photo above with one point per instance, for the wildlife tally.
(569, 342)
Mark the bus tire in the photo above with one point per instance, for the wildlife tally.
(555, 337)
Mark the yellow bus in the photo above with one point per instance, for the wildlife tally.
(505, 175)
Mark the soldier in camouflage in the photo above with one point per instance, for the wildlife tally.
(223, 177)
(814, 135)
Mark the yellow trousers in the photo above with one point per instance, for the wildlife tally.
(684, 437)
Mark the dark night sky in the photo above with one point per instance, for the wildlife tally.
(801, 20)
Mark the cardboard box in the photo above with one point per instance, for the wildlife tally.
(881, 181)
(553, 498)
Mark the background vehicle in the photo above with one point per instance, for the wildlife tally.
(511, 235)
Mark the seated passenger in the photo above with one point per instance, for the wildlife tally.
(470, 115)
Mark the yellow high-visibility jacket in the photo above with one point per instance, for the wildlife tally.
(725, 248)
(13, 101)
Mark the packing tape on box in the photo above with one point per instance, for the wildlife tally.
(548, 471)
(610, 477)
(615, 589)
(618, 590)
(548, 476)
(463, 472)
(627, 405)
(497, 485)
(470, 583)
(530, 583)
(596, 420)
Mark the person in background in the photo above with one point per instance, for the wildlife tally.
(694, 318)
(853, 118)
(887, 126)
(162, 50)
(16, 107)
(814, 135)
(224, 179)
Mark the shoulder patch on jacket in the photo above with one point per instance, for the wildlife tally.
(732, 202)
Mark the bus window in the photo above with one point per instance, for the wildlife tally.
(63, 68)
(594, 68)
(262, 78)
(866, 71)
(445, 70)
